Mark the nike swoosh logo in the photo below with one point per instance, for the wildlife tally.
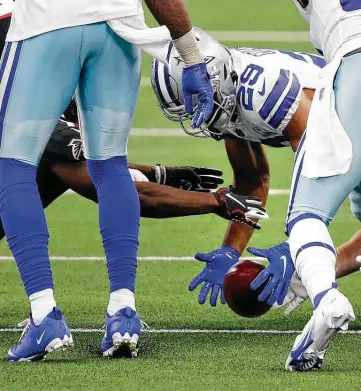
(304, 344)
(284, 260)
(41, 338)
(263, 91)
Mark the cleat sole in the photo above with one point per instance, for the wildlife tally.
(55, 345)
(123, 347)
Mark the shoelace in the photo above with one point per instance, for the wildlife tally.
(26, 324)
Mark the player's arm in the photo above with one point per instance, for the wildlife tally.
(298, 123)
(251, 177)
(173, 14)
(184, 177)
(159, 201)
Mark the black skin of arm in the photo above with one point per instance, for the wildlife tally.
(157, 201)
(251, 177)
(173, 14)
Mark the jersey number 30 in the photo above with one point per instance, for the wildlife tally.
(350, 5)
(249, 78)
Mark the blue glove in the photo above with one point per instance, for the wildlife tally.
(218, 262)
(279, 273)
(195, 81)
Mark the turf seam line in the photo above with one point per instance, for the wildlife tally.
(191, 331)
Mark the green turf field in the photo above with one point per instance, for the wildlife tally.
(171, 360)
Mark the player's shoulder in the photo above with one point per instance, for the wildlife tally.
(267, 97)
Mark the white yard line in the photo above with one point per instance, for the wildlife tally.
(261, 36)
(146, 259)
(193, 331)
(155, 132)
(272, 192)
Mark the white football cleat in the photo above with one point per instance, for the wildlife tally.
(333, 313)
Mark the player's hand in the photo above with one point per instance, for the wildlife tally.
(218, 262)
(201, 179)
(278, 273)
(196, 81)
(240, 208)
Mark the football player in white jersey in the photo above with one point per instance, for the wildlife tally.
(262, 96)
(54, 48)
(330, 172)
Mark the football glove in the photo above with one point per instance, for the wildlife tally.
(218, 262)
(195, 81)
(201, 179)
(240, 208)
(278, 273)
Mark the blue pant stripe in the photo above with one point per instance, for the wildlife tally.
(315, 244)
(5, 60)
(294, 190)
(9, 85)
(300, 145)
(304, 216)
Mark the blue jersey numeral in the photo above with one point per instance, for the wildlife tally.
(249, 78)
(351, 5)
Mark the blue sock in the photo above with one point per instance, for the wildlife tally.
(119, 215)
(24, 224)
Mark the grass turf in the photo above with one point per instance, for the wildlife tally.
(177, 361)
(170, 361)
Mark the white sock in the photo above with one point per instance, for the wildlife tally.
(120, 299)
(42, 303)
(315, 265)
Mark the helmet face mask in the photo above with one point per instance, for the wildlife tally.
(167, 85)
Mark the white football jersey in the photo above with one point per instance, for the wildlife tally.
(35, 17)
(335, 25)
(6, 8)
(269, 89)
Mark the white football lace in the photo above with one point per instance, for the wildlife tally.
(26, 324)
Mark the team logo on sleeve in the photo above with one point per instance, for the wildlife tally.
(76, 148)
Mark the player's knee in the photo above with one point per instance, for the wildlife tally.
(296, 217)
(99, 170)
(15, 172)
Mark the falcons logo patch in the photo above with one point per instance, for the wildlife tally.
(76, 148)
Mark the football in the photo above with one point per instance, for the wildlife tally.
(239, 296)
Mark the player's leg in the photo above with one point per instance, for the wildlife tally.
(314, 205)
(107, 97)
(38, 78)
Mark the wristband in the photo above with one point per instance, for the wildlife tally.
(160, 174)
(187, 47)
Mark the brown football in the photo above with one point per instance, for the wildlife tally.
(238, 293)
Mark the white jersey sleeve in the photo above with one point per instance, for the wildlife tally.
(268, 98)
